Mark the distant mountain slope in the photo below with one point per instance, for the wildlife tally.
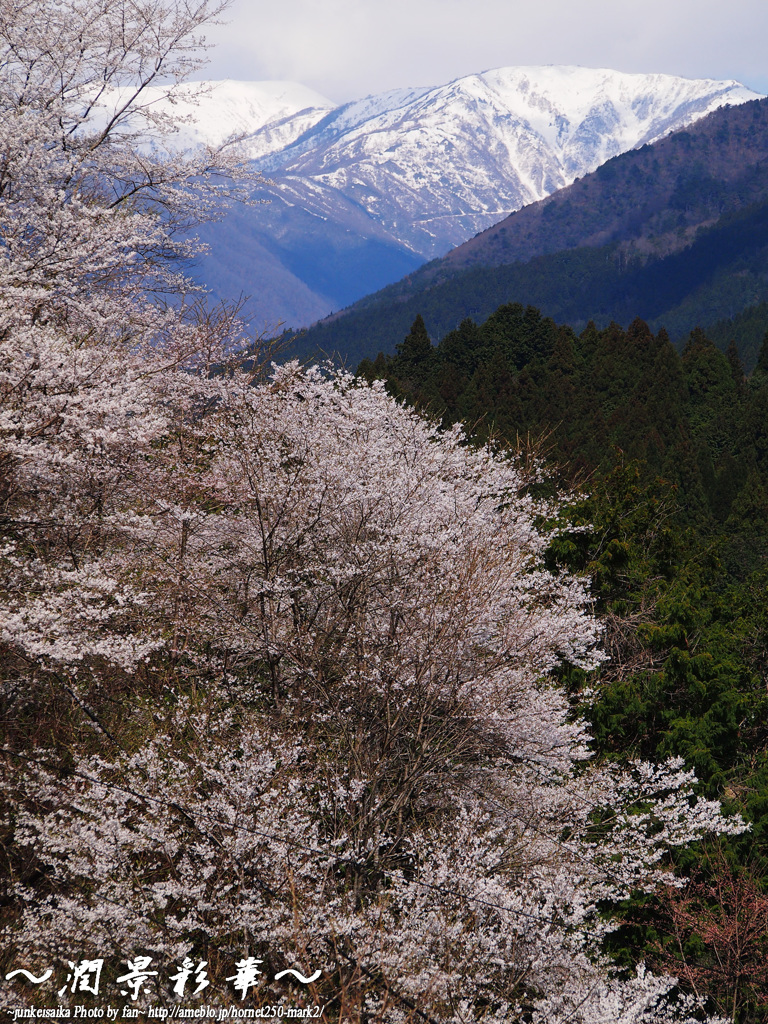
(654, 201)
(363, 193)
(676, 233)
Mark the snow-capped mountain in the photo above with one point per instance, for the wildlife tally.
(393, 179)
(434, 166)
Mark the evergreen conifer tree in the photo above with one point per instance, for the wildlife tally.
(416, 346)
(760, 374)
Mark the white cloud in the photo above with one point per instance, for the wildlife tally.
(348, 48)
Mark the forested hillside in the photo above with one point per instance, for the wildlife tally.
(691, 417)
(667, 456)
(653, 199)
(674, 233)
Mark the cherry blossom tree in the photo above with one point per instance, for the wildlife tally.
(91, 187)
(88, 216)
(365, 765)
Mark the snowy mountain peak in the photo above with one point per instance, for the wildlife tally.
(523, 131)
(410, 173)
(433, 166)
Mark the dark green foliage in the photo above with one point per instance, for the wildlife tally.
(723, 272)
(761, 367)
(412, 358)
(416, 346)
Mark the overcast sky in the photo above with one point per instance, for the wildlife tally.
(349, 48)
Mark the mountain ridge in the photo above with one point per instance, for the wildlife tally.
(362, 193)
(456, 156)
(683, 221)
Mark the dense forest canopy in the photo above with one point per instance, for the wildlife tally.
(692, 417)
